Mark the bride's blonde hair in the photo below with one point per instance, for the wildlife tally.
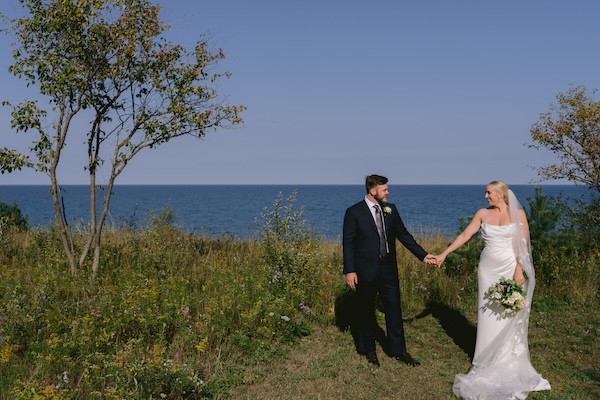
(502, 188)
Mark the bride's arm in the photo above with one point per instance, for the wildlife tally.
(524, 225)
(518, 275)
(464, 237)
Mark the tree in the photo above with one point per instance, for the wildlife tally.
(104, 61)
(10, 215)
(572, 131)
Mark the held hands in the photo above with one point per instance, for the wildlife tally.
(435, 260)
(440, 259)
(431, 260)
(352, 277)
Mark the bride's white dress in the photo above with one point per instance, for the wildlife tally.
(501, 365)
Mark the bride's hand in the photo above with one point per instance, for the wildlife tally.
(439, 259)
(518, 276)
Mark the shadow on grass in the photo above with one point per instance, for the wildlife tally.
(454, 323)
(346, 306)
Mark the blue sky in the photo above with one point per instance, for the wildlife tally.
(424, 92)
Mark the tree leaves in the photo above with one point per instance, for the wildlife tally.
(106, 62)
(571, 130)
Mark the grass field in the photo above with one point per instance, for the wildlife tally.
(563, 341)
(175, 316)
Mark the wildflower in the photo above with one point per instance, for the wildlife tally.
(306, 309)
(285, 318)
(201, 346)
(276, 277)
(5, 353)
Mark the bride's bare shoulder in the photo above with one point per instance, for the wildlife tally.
(484, 214)
(484, 211)
(481, 214)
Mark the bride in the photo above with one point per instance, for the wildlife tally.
(501, 365)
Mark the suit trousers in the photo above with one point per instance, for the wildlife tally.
(387, 286)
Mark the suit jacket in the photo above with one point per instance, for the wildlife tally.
(361, 241)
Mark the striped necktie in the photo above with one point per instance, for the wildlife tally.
(381, 232)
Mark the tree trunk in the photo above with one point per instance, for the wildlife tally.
(61, 223)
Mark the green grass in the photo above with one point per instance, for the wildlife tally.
(564, 349)
(171, 315)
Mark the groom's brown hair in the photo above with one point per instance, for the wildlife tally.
(375, 180)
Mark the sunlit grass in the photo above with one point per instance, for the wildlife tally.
(173, 315)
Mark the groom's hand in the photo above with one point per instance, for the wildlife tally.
(352, 280)
(431, 260)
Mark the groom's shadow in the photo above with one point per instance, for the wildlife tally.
(453, 322)
(346, 306)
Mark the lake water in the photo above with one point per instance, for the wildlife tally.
(216, 210)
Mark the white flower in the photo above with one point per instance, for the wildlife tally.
(286, 319)
(516, 297)
(510, 300)
(387, 209)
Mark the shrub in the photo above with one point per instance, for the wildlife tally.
(465, 259)
(585, 220)
(173, 315)
(11, 216)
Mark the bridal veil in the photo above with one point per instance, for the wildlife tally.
(503, 369)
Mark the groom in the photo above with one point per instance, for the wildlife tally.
(370, 229)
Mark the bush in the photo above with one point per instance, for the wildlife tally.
(465, 259)
(564, 242)
(585, 220)
(173, 315)
(10, 216)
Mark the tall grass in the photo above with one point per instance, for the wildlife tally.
(173, 315)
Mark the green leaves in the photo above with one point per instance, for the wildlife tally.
(108, 56)
(11, 160)
(571, 130)
(105, 63)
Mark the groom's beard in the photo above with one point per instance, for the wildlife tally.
(382, 201)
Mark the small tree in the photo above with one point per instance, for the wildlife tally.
(572, 131)
(10, 215)
(105, 62)
(544, 215)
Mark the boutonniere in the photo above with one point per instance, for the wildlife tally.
(387, 210)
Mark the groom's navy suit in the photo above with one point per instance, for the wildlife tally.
(376, 274)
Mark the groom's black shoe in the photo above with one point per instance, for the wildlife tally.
(408, 360)
(372, 359)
